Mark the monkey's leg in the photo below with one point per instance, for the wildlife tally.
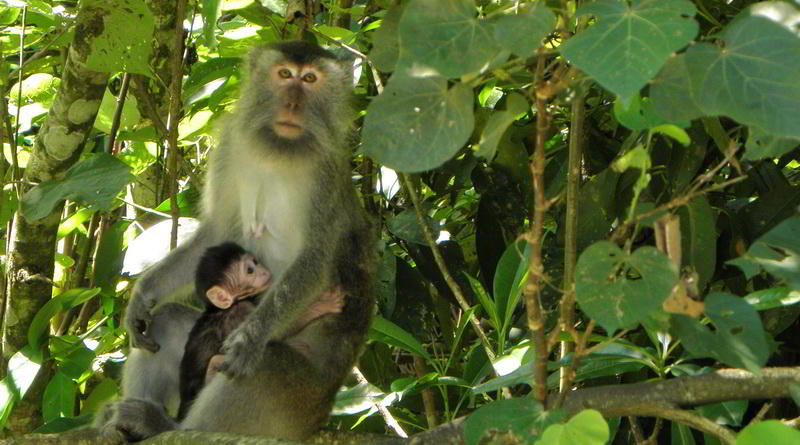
(155, 376)
(289, 396)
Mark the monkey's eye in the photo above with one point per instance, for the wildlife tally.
(250, 269)
(284, 73)
(310, 78)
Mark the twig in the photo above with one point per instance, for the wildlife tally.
(428, 401)
(437, 256)
(653, 439)
(15, 175)
(567, 306)
(691, 419)
(532, 290)
(123, 92)
(684, 199)
(391, 422)
(172, 122)
(580, 351)
(638, 434)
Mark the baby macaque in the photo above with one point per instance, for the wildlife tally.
(226, 277)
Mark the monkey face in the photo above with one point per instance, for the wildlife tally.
(294, 84)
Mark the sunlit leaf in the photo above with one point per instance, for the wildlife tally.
(113, 51)
(96, 182)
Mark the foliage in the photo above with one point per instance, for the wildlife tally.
(689, 110)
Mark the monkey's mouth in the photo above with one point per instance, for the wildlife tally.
(288, 129)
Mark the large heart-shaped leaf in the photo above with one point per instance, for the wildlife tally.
(445, 36)
(630, 41)
(618, 289)
(753, 79)
(417, 124)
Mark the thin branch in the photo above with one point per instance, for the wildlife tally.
(391, 422)
(567, 306)
(174, 117)
(691, 419)
(15, 175)
(532, 290)
(437, 256)
(123, 92)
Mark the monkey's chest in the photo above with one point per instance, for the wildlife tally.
(274, 213)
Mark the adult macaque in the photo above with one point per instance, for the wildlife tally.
(226, 277)
(279, 185)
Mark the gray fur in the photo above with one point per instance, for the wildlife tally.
(315, 236)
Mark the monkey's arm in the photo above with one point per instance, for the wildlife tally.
(167, 280)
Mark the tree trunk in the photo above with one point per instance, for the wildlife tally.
(57, 148)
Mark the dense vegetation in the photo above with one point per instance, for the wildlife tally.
(570, 194)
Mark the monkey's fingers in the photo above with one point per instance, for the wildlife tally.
(143, 341)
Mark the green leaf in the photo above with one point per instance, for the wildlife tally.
(23, 367)
(113, 51)
(772, 432)
(699, 238)
(637, 158)
(486, 301)
(671, 93)
(524, 417)
(96, 182)
(772, 297)
(41, 321)
(356, 399)
(753, 79)
(405, 225)
(104, 391)
(444, 37)
(59, 398)
(596, 202)
(77, 362)
(761, 144)
(509, 279)
(387, 332)
(630, 43)
(418, 124)
(585, 428)
(212, 69)
(636, 113)
(523, 33)
(498, 123)
(619, 290)
(62, 424)
(108, 107)
(385, 43)
(725, 413)
(738, 340)
(777, 252)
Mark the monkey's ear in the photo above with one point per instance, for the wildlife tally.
(219, 297)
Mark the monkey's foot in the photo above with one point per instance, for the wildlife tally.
(243, 352)
(136, 419)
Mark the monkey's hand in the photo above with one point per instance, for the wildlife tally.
(243, 349)
(138, 317)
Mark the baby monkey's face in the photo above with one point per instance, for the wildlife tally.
(243, 278)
